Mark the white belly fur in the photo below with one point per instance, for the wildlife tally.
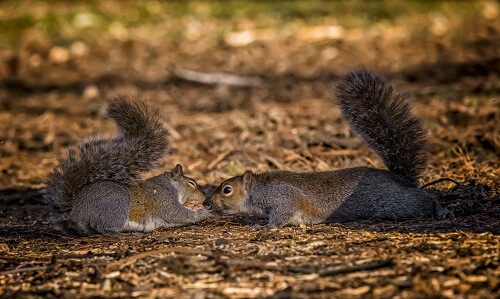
(151, 223)
(299, 218)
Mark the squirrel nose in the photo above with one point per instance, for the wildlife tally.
(208, 202)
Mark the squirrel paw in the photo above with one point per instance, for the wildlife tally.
(203, 214)
(194, 205)
(261, 228)
(445, 214)
(257, 227)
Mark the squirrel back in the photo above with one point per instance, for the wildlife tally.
(384, 120)
(139, 146)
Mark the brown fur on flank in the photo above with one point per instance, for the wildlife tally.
(308, 208)
(140, 205)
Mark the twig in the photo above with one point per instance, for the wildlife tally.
(368, 241)
(217, 78)
(241, 265)
(338, 153)
(349, 269)
(274, 162)
(57, 235)
(80, 256)
(441, 180)
(218, 159)
(141, 255)
(21, 265)
(35, 268)
(195, 164)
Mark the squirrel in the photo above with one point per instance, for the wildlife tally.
(384, 120)
(98, 188)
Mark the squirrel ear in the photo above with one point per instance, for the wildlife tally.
(247, 180)
(177, 172)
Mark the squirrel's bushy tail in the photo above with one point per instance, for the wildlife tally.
(141, 143)
(385, 121)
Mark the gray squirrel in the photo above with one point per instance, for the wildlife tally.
(384, 120)
(98, 188)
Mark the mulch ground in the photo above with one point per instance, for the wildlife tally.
(223, 257)
(59, 64)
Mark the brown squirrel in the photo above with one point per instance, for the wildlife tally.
(384, 120)
(98, 188)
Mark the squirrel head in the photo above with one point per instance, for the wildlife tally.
(189, 192)
(231, 195)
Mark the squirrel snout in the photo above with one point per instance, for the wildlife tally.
(212, 205)
(207, 203)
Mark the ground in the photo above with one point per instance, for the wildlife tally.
(61, 61)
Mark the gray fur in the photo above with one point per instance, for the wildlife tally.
(384, 119)
(93, 206)
(382, 194)
(141, 144)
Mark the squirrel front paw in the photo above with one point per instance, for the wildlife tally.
(445, 214)
(203, 213)
(256, 227)
(194, 205)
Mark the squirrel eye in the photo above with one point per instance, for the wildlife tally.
(192, 183)
(227, 190)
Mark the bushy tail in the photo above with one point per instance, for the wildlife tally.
(385, 121)
(140, 145)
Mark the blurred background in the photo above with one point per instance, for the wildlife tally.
(246, 84)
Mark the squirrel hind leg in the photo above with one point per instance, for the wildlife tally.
(101, 207)
(443, 213)
(72, 228)
(381, 194)
(279, 218)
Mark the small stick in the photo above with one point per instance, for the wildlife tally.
(158, 251)
(56, 235)
(241, 265)
(369, 241)
(274, 162)
(349, 269)
(218, 159)
(80, 256)
(439, 181)
(338, 153)
(21, 265)
(35, 268)
(217, 78)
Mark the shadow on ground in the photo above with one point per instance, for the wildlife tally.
(26, 217)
